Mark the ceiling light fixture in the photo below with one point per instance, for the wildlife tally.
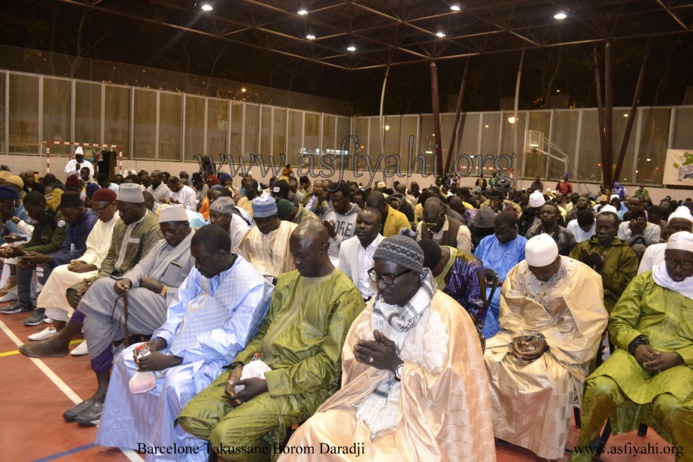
(440, 34)
(455, 7)
(560, 15)
(310, 37)
(351, 48)
(206, 7)
(302, 12)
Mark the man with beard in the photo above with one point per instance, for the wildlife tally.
(158, 188)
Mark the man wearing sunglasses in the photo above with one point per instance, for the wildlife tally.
(410, 349)
(648, 378)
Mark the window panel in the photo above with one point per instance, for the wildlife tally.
(117, 121)
(217, 127)
(266, 132)
(279, 135)
(295, 141)
(88, 112)
(24, 114)
(590, 167)
(565, 133)
(654, 137)
(194, 126)
(170, 108)
(252, 129)
(144, 134)
(56, 113)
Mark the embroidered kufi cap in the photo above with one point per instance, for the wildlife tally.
(264, 206)
(130, 192)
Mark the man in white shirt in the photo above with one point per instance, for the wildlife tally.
(680, 220)
(157, 188)
(181, 194)
(74, 166)
(340, 221)
(356, 253)
(221, 213)
(638, 227)
(584, 226)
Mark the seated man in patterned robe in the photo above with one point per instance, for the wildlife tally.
(300, 340)
(552, 317)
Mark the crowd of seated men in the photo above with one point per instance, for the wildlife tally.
(319, 320)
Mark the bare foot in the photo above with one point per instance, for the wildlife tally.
(47, 349)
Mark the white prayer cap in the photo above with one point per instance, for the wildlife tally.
(615, 196)
(79, 151)
(536, 199)
(608, 208)
(682, 212)
(541, 251)
(175, 212)
(683, 240)
(130, 192)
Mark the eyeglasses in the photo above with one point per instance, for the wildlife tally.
(388, 279)
(672, 263)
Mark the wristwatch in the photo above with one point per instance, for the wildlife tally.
(398, 372)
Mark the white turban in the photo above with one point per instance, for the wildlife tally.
(541, 251)
(682, 212)
(682, 240)
(174, 212)
(536, 199)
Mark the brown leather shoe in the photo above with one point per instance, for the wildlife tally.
(11, 284)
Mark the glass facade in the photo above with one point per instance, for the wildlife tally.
(167, 126)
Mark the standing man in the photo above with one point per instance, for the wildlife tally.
(564, 186)
(74, 166)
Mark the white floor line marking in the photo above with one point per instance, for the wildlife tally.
(129, 453)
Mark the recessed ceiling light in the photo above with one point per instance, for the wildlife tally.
(351, 48)
(560, 15)
(455, 7)
(310, 37)
(440, 34)
(207, 7)
(302, 12)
